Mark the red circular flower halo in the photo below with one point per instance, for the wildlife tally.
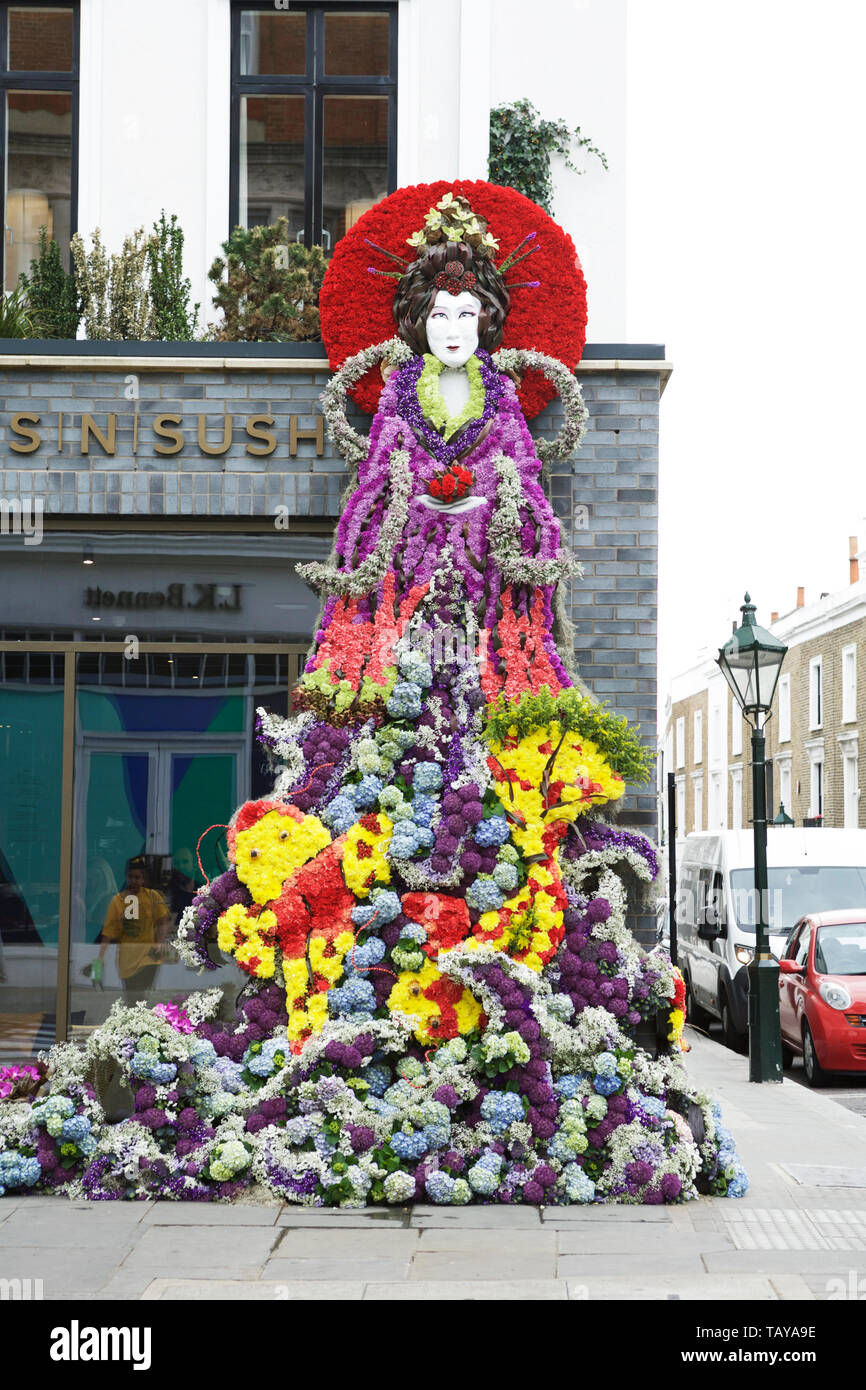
(356, 307)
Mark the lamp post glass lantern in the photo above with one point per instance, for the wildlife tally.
(751, 662)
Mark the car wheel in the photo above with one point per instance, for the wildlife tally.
(815, 1074)
(731, 1036)
(698, 1017)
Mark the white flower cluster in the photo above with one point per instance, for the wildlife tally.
(352, 445)
(576, 413)
(504, 534)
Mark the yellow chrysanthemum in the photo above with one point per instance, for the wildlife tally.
(577, 777)
(441, 1006)
(271, 850)
(364, 861)
(245, 937)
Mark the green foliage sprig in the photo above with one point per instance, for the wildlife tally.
(171, 320)
(15, 316)
(521, 143)
(50, 293)
(271, 287)
(612, 735)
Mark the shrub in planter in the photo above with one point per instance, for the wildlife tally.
(50, 292)
(267, 286)
(170, 317)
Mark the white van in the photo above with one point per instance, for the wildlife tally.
(808, 870)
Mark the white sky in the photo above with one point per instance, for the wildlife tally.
(747, 236)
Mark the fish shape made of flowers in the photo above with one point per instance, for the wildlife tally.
(547, 777)
(442, 1007)
(268, 841)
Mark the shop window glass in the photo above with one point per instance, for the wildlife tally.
(156, 764)
(39, 132)
(31, 737)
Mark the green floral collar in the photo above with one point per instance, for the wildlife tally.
(432, 402)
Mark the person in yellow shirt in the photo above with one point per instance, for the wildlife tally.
(138, 920)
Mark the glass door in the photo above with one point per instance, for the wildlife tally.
(141, 805)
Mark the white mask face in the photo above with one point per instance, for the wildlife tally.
(452, 327)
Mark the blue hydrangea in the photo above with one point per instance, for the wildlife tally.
(437, 1136)
(606, 1084)
(75, 1128)
(424, 836)
(268, 1059)
(202, 1052)
(411, 1146)
(492, 831)
(653, 1108)
(578, 1187)
(506, 877)
(405, 701)
(54, 1107)
(424, 808)
(365, 793)
(427, 777)
(340, 814)
(501, 1109)
(440, 1188)
(415, 667)
(569, 1086)
(484, 895)
(163, 1072)
(413, 931)
(405, 841)
(484, 1175)
(738, 1185)
(230, 1074)
(18, 1171)
(606, 1063)
(360, 958)
(355, 997)
(378, 1078)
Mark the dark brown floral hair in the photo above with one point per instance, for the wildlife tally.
(417, 291)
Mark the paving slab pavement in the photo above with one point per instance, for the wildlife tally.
(800, 1232)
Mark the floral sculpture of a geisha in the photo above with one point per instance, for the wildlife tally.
(444, 1002)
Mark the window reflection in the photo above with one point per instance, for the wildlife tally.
(38, 176)
(272, 161)
(41, 40)
(355, 160)
(356, 45)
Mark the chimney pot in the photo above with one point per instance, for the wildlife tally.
(853, 562)
(774, 618)
(801, 596)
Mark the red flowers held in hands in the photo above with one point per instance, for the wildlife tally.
(452, 484)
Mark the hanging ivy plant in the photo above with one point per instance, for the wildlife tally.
(521, 143)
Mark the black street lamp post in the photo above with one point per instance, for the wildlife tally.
(751, 662)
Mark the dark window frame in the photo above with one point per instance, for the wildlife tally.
(314, 86)
(18, 79)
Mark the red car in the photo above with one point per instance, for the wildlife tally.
(822, 994)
